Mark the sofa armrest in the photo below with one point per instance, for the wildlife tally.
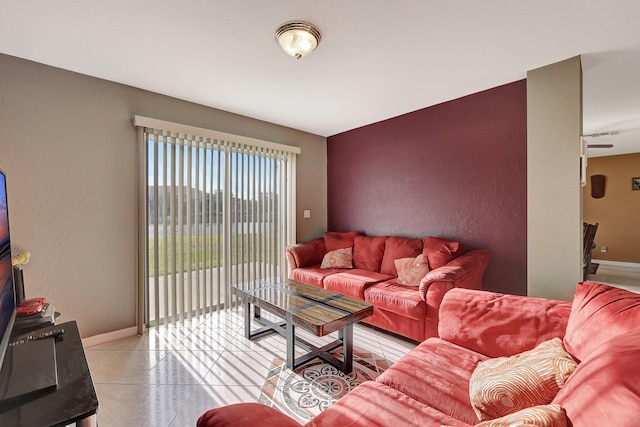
(245, 415)
(432, 293)
(466, 271)
(305, 254)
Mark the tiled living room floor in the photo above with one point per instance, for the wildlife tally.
(173, 374)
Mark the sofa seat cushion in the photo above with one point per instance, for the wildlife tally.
(400, 299)
(313, 275)
(599, 312)
(373, 404)
(353, 282)
(397, 248)
(604, 390)
(437, 373)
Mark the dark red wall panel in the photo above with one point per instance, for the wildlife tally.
(456, 170)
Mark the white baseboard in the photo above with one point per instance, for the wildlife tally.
(109, 336)
(617, 263)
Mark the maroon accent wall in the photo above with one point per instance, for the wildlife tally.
(456, 170)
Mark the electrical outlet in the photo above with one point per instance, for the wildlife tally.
(306, 213)
(603, 249)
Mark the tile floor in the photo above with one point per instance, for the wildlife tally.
(623, 276)
(173, 374)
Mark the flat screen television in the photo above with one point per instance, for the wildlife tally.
(7, 290)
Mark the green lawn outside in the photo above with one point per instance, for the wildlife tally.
(206, 244)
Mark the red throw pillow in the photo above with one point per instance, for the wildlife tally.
(396, 248)
(339, 240)
(440, 251)
(598, 313)
(368, 252)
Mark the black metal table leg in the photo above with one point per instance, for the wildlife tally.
(291, 343)
(247, 319)
(346, 335)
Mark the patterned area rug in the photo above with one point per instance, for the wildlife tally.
(313, 387)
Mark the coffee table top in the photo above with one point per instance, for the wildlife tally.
(317, 310)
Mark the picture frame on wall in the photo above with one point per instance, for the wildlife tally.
(635, 183)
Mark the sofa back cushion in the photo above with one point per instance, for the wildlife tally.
(498, 324)
(605, 388)
(339, 240)
(599, 312)
(440, 251)
(368, 252)
(397, 248)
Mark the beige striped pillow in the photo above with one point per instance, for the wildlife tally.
(536, 416)
(411, 270)
(505, 385)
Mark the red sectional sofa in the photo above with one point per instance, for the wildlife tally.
(411, 311)
(430, 385)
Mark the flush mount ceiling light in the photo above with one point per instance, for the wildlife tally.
(298, 38)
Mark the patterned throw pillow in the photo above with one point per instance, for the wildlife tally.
(340, 258)
(411, 270)
(505, 385)
(536, 416)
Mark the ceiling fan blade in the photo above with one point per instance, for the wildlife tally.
(600, 145)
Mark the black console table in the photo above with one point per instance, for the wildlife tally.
(74, 400)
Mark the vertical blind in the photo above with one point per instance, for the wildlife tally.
(219, 210)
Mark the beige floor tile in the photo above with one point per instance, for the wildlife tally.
(95, 357)
(108, 394)
(146, 405)
(182, 367)
(240, 368)
(207, 397)
(126, 367)
(174, 373)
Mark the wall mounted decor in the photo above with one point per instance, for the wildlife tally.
(635, 183)
(597, 186)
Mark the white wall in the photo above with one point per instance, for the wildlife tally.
(554, 220)
(69, 151)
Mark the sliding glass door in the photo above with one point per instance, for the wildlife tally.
(218, 212)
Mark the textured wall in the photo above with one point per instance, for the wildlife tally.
(618, 211)
(69, 151)
(456, 170)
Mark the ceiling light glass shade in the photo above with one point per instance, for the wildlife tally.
(298, 38)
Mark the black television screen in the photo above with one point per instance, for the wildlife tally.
(7, 291)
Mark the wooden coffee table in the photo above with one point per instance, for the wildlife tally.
(314, 309)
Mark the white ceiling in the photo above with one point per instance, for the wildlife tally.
(377, 59)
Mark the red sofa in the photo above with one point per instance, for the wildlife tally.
(429, 386)
(411, 311)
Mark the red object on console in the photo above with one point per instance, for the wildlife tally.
(31, 306)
